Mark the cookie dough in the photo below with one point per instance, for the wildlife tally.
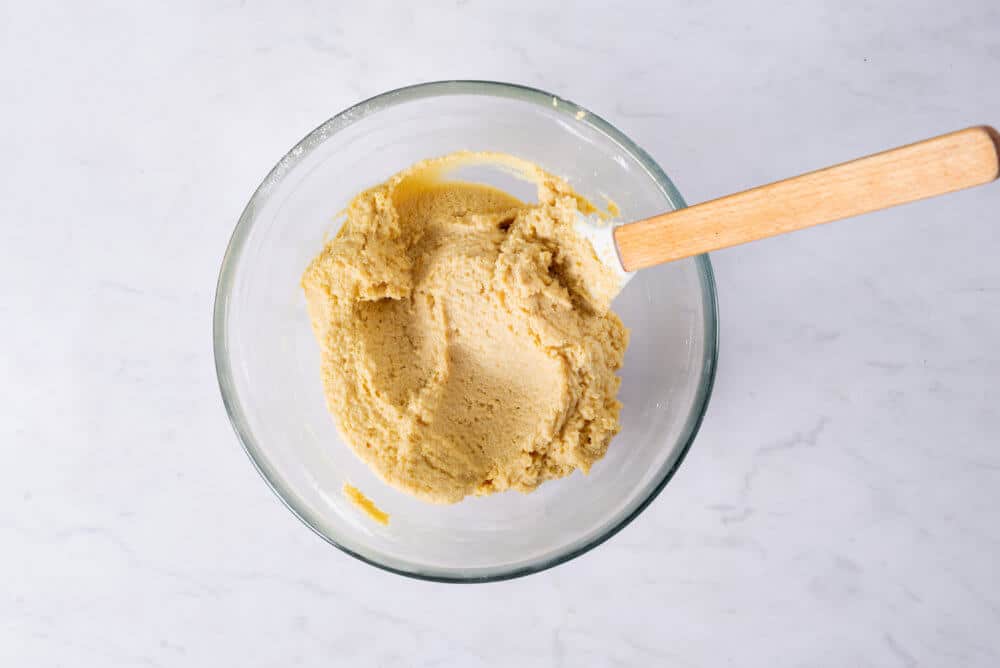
(466, 338)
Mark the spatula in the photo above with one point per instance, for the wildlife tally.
(931, 167)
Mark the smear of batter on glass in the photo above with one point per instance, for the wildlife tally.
(366, 505)
(466, 338)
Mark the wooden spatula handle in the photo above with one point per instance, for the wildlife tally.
(933, 167)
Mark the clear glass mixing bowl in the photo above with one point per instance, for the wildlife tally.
(268, 362)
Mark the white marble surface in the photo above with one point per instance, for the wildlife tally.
(840, 506)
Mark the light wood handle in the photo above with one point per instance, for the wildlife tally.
(933, 167)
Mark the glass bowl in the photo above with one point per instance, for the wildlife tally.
(268, 362)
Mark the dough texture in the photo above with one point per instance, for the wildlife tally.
(466, 338)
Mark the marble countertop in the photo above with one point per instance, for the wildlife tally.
(840, 506)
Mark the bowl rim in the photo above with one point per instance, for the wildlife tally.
(352, 114)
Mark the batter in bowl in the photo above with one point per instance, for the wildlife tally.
(466, 337)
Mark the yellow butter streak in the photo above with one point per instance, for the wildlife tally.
(366, 505)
